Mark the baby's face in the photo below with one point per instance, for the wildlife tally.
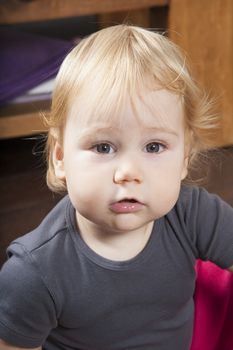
(124, 173)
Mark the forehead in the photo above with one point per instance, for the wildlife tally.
(147, 108)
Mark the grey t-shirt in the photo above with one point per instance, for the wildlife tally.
(56, 291)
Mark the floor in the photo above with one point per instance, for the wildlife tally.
(25, 199)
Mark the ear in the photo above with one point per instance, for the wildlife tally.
(184, 172)
(58, 161)
(187, 153)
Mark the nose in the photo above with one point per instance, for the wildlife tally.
(127, 172)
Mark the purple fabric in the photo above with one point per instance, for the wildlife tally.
(27, 60)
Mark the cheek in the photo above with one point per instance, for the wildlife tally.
(165, 197)
(166, 184)
(82, 196)
(169, 167)
(81, 184)
(86, 185)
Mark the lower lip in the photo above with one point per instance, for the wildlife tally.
(126, 207)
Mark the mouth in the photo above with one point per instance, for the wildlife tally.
(126, 205)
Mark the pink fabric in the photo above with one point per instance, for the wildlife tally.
(213, 325)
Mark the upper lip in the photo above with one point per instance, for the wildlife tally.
(129, 199)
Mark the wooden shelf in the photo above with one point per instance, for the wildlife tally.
(16, 11)
(18, 120)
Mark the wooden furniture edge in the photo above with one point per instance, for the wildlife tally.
(15, 11)
(21, 125)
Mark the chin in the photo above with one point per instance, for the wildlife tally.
(127, 224)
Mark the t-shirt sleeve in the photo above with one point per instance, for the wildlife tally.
(210, 221)
(27, 307)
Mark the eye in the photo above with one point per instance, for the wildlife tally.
(104, 148)
(154, 147)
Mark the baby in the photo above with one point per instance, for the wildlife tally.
(112, 266)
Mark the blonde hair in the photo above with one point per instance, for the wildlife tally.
(114, 62)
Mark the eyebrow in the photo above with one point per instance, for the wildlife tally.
(92, 131)
(89, 132)
(164, 130)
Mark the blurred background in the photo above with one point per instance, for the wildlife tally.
(35, 37)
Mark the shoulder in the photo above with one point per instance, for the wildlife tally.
(46, 234)
(208, 221)
(197, 212)
(43, 252)
(195, 201)
(190, 195)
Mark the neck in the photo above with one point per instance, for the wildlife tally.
(113, 244)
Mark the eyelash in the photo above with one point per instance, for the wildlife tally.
(112, 149)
